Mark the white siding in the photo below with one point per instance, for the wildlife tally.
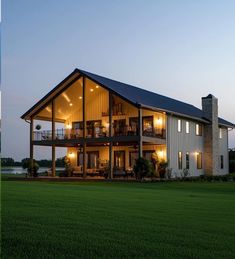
(223, 150)
(184, 142)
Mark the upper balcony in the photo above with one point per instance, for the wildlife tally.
(85, 99)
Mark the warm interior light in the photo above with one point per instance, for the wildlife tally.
(66, 97)
(196, 153)
(68, 126)
(91, 89)
(160, 154)
(96, 86)
(159, 121)
(70, 104)
(80, 97)
(71, 155)
(48, 109)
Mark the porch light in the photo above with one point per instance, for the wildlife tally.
(71, 155)
(159, 121)
(68, 126)
(91, 89)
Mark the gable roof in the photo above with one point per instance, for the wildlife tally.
(143, 98)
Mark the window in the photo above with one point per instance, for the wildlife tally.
(187, 160)
(119, 160)
(187, 127)
(179, 125)
(198, 129)
(133, 155)
(91, 159)
(199, 160)
(148, 125)
(222, 162)
(220, 133)
(180, 166)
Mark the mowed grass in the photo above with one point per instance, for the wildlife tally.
(118, 220)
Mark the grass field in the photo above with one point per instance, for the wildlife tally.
(118, 220)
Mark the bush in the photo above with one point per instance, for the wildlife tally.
(143, 168)
(231, 166)
(31, 166)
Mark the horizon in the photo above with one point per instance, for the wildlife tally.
(182, 50)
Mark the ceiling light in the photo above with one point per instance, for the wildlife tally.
(97, 86)
(70, 104)
(91, 89)
(80, 97)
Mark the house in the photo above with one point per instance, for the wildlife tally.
(113, 123)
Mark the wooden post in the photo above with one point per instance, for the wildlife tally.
(31, 141)
(84, 124)
(53, 137)
(140, 125)
(110, 135)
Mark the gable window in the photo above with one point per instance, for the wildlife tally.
(180, 166)
(199, 160)
(187, 127)
(179, 125)
(221, 162)
(187, 160)
(220, 133)
(199, 129)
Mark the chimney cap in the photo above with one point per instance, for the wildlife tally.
(209, 96)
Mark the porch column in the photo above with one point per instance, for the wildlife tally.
(53, 137)
(31, 141)
(84, 124)
(140, 126)
(110, 135)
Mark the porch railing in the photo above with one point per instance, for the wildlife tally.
(97, 132)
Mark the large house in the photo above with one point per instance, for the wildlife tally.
(114, 123)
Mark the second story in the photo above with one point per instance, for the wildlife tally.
(92, 107)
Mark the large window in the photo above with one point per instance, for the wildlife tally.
(133, 155)
(222, 162)
(148, 125)
(119, 127)
(91, 159)
(199, 129)
(179, 125)
(119, 160)
(199, 160)
(180, 162)
(187, 160)
(187, 127)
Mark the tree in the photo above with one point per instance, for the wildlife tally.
(7, 161)
(31, 166)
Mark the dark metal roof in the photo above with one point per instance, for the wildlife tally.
(137, 96)
(149, 99)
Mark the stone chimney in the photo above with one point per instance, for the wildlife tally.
(211, 135)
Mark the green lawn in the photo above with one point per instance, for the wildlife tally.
(118, 220)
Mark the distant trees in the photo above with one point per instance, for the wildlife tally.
(8, 161)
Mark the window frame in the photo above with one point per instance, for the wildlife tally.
(179, 125)
(199, 132)
(187, 127)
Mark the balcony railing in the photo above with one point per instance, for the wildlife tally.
(95, 132)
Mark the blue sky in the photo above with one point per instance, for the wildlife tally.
(182, 49)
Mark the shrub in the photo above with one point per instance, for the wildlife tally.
(31, 166)
(143, 168)
(68, 167)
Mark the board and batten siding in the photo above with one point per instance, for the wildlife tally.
(184, 142)
(223, 151)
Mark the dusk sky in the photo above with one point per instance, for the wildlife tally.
(182, 49)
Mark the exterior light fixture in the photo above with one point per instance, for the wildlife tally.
(159, 121)
(80, 97)
(71, 155)
(97, 86)
(68, 126)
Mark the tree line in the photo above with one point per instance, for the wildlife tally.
(8, 161)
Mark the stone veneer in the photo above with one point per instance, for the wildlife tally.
(211, 135)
